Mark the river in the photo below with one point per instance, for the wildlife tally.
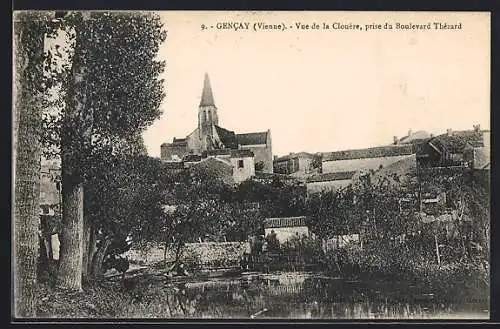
(312, 296)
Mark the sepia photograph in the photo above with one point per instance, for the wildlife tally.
(250, 165)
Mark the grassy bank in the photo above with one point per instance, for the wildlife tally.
(111, 300)
(454, 279)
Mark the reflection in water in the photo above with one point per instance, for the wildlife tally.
(292, 295)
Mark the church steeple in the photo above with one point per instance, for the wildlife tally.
(207, 98)
(207, 111)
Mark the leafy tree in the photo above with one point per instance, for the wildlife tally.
(316, 162)
(124, 198)
(111, 92)
(279, 197)
(200, 208)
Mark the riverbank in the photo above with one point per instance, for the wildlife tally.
(150, 294)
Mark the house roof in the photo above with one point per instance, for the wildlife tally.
(285, 222)
(397, 172)
(257, 138)
(176, 142)
(180, 140)
(227, 137)
(230, 152)
(334, 176)
(214, 160)
(373, 152)
(473, 137)
(294, 155)
(453, 143)
(242, 153)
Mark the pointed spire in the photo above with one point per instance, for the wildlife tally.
(207, 98)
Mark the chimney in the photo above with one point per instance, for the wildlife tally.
(410, 132)
(477, 127)
(275, 157)
(449, 132)
(396, 140)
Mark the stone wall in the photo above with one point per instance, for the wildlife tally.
(284, 234)
(204, 254)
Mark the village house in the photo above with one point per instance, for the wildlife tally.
(373, 158)
(241, 151)
(456, 149)
(229, 165)
(297, 165)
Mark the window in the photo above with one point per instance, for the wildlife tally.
(240, 164)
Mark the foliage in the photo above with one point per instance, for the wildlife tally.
(105, 76)
(331, 213)
(308, 250)
(110, 67)
(316, 162)
(259, 166)
(115, 199)
(275, 199)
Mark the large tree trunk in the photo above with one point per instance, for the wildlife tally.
(72, 150)
(69, 275)
(27, 148)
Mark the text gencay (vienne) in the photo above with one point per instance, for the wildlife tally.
(235, 26)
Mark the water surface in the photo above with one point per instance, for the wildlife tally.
(313, 296)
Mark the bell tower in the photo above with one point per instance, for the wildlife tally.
(207, 111)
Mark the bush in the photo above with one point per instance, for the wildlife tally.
(307, 250)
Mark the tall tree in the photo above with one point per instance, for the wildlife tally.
(30, 29)
(112, 94)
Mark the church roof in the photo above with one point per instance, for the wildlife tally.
(207, 98)
(227, 137)
(252, 138)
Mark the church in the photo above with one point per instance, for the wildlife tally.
(209, 140)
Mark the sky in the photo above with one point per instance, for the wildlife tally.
(325, 90)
